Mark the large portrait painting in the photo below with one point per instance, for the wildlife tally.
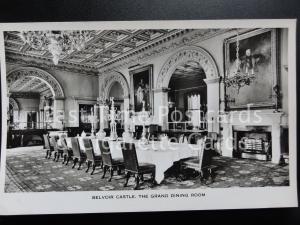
(255, 83)
(141, 83)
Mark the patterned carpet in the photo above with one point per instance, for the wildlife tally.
(29, 171)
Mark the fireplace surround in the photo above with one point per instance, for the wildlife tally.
(268, 120)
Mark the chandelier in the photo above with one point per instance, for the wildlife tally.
(58, 43)
(240, 77)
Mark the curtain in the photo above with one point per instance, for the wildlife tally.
(194, 107)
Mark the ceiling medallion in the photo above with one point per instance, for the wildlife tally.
(58, 43)
(238, 77)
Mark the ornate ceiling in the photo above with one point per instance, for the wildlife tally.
(30, 85)
(104, 49)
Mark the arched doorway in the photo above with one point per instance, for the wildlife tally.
(114, 85)
(40, 96)
(187, 98)
(206, 62)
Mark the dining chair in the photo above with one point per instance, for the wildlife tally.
(92, 159)
(59, 148)
(70, 154)
(57, 152)
(133, 167)
(108, 162)
(201, 163)
(47, 146)
(67, 151)
(79, 156)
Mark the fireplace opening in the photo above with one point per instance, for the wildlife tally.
(252, 142)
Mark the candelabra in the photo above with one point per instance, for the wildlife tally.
(102, 107)
(145, 115)
(93, 119)
(113, 125)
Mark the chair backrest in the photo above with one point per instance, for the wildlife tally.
(53, 142)
(201, 142)
(64, 145)
(46, 141)
(181, 137)
(69, 143)
(87, 143)
(96, 148)
(212, 138)
(130, 157)
(75, 147)
(105, 152)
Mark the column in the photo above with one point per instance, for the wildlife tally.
(58, 113)
(161, 109)
(213, 103)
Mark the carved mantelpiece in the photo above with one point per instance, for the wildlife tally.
(258, 118)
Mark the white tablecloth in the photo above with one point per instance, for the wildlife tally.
(153, 153)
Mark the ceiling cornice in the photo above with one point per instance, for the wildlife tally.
(34, 61)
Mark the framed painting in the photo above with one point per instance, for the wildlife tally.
(256, 83)
(141, 85)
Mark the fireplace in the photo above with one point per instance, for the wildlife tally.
(270, 123)
(252, 142)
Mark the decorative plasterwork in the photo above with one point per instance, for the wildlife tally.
(104, 47)
(164, 46)
(110, 79)
(108, 50)
(35, 61)
(19, 73)
(14, 104)
(182, 56)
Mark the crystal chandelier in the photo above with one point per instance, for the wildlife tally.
(58, 43)
(239, 77)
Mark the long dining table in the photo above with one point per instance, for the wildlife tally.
(162, 155)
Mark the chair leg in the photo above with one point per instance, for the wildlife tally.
(119, 171)
(94, 167)
(65, 159)
(80, 163)
(153, 178)
(55, 155)
(137, 181)
(88, 166)
(50, 154)
(68, 159)
(127, 178)
(104, 171)
(74, 163)
(47, 153)
(111, 173)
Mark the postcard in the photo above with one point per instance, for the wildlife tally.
(148, 116)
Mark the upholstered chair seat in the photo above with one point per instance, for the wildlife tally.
(108, 162)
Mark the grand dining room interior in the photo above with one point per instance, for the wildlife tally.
(146, 109)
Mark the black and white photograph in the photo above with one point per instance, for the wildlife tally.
(140, 110)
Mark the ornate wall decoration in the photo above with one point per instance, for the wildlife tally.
(18, 73)
(110, 79)
(182, 56)
(14, 104)
(35, 61)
